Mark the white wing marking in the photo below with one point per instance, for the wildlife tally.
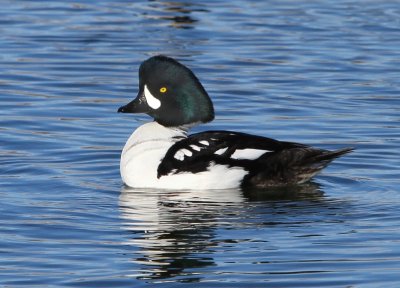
(221, 151)
(194, 147)
(248, 153)
(181, 153)
(187, 152)
(204, 142)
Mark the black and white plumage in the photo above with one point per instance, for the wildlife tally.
(268, 162)
(160, 154)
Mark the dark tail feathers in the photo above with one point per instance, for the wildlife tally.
(328, 156)
(291, 166)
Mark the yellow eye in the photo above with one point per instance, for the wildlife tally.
(163, 89)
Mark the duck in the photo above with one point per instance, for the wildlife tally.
(161, 154)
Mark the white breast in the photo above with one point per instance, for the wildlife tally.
(143, 152)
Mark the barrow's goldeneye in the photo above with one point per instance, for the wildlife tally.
(161, 154)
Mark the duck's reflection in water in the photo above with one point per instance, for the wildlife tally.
(175, 231)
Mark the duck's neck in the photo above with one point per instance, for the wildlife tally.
(153, 131)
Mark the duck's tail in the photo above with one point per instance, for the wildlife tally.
(292, 166)
(324, 157)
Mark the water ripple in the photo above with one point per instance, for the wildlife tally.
(321, 72)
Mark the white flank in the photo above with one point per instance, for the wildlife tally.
(151, 100)
(249, 154)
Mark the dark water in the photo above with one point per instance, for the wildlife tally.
(321, 72)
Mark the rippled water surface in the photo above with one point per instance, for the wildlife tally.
(320, 72)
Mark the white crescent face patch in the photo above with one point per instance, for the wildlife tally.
(152, 101)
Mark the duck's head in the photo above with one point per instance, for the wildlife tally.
(170, 93)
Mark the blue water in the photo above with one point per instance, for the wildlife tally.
(320, 72)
